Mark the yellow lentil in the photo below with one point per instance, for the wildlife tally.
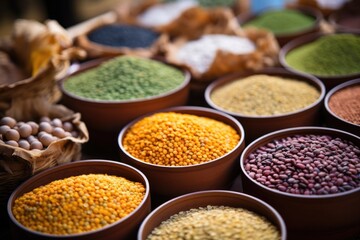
(264, 95)
(215, 222)
(177, 139)
(78, 204)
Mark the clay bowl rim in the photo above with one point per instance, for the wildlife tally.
(78, 68)
(288, 132)
(181, 109)
(306, 10)
(335, 89)
(222, 81)
(212, 193)
(84, 39)
(64, 167)
(305, 40)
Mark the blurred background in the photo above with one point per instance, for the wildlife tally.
(71, 12)
(66, 12)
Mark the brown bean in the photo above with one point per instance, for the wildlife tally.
(12, 134)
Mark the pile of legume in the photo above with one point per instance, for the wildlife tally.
(31, 135)
(78, 204)
(200, 54)
(164, 13)
(176, 139)
(125, 78)
(281, 22)
(345, 104)
(123, 36)
(330, 55)
(215, 222)
(264, 95)
(306, 164)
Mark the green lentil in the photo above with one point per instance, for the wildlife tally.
(331, 55)
(176, 139)
(215, 222)
(125, 78)
(282, 22)
(264, 95)
(78, 204)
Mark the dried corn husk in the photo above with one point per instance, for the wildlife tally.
(265, 55)
(18, 164)
(38, 51)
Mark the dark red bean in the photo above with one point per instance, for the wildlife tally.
(311, 164)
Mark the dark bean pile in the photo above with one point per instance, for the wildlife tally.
(306, 164)
(123, 36)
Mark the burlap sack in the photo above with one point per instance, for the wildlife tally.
(42, 53)
(265, 55)
(35, 56)
(192, 23)
(18, 164)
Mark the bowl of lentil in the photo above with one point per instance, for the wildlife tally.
(311, 176)
(286, 24)
(342, 107)
(333, 58)
(111, 92)
(213, 215)
(184, 149)
(268, 100)
(90, 199)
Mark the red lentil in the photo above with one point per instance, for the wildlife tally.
(176, 139)
(345, 104)
(78, 204)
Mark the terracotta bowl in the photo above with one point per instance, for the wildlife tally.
(329, 82)
(96, 50)
(205, 198)
(125, 228)
(334, 120)
(330, 216)
(105, 119)
(171, 181)
(285, 38)
(256, 126)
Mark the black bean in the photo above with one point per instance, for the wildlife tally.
(123, 36)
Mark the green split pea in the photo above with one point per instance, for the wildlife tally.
(125, 78)
(282, 22)
(328, 56)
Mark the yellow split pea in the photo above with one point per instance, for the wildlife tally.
(78, 204)
(177, 139)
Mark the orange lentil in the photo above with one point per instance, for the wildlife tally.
(177, 139)
(59, 208)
